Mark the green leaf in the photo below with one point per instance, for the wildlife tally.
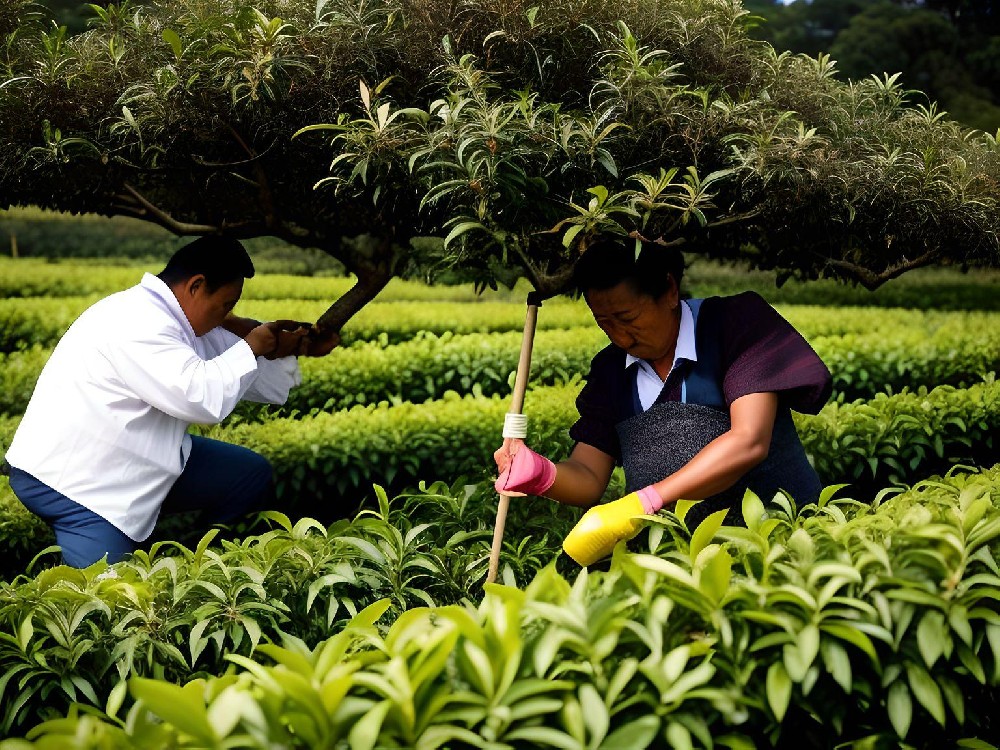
(365, 733)
(926, 691)
(115, 698)
(462, 228)
(900, 707)
(779, 689)
(714, 573)
(837, 663)
(753, 510)
(182, 707)
(636, 735)
(678, 736)
(170, 37)
(705, 532)
(571, 234)
(931, 637)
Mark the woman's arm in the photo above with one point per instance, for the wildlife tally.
(721, 463)
(582, 478)
(579, 480)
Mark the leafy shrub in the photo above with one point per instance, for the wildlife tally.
(71, 635)
(25, 322)
(27, 277)
(817, 628)
(321, 458)
(19, 372)
(22, 534)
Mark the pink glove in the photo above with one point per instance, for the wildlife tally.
(651, 500)
(527, 472)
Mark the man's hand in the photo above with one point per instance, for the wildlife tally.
(263, 340)
(320, 341)
(291, 335)
(602, 527)
(291, 338)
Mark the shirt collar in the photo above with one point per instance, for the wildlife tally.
(166, 297)
(685, 348)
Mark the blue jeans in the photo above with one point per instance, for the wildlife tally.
(225, 481)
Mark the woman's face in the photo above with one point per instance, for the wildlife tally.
(641, 325)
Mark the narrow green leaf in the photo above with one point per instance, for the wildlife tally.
(779, 690)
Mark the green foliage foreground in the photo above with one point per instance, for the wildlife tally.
(805, 629)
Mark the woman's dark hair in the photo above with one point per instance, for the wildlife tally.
(219, 259)
(609, 261)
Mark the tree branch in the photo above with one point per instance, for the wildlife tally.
(372, 279)
(871, 280)
(143, 209)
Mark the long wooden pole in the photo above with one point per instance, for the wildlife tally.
(516, 407)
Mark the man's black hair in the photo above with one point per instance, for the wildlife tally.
(609, 261)
(220, 260)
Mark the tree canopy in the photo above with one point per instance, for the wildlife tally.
(512, 130)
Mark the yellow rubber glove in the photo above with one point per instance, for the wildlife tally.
(602, 527)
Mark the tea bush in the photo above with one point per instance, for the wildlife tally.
(873, 624)
(27, 277)
(22, 534)
(924, 289)
(70, 635)
(958, 350)
(323, 457)
(40, 320)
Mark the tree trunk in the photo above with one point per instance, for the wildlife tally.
(369, 284)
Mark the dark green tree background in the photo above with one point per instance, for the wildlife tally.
(947, 49)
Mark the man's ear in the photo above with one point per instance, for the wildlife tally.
(196, 282)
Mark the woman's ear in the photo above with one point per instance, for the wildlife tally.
(673, 292)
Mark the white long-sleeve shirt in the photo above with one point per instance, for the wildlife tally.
(107, 423)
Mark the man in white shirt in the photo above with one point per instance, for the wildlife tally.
(103, 444)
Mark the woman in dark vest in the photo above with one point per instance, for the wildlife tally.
(692, 397)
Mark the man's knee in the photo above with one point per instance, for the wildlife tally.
(259, 486)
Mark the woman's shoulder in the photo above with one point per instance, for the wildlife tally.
(738, 304)
(608, 360)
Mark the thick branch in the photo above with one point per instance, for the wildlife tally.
(871, 280)
(354, 299)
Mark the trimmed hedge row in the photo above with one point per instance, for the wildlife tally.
(957, 352)
(30, 321)
(941, 289)
(320, 458)
(29, 277)
(843, 624)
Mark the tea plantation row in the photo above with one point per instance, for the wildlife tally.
(42, 321)
(325, 464)
(927, 289)
(959, 350)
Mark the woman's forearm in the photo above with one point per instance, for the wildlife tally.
(721, 463)
(582, 478)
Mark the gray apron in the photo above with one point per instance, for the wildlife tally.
(657, 442)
